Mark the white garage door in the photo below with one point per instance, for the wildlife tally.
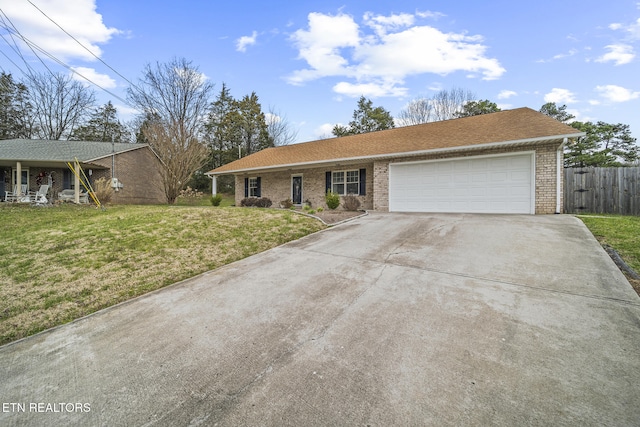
(496, 184)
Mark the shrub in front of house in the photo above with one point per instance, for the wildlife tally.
(350, 202)
(216, 200)
(332, 199)
(102, 190)
(286, 204)
(262, 202)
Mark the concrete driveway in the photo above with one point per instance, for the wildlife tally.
(391, 319)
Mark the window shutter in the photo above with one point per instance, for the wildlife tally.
(246, 187)
(327, 186)
(259, 187)
(363, 182)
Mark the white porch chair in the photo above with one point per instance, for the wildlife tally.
(39, 197)
(14, 196)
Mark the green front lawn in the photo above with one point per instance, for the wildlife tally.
(622, 233)
(60, 263)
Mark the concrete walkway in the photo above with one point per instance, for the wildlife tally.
(391, 319)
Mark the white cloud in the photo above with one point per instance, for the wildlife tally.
(613, 93)
(371, 89)
(79, 18)
(560, 96)
(383, 24)
(324, 131)
(632, 30)
(505, 94)
(101, 80)
(379, 61)
(430, 14)
(618, 53)
(244, 41)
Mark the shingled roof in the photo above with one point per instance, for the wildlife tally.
(36, 150)
(510, 127)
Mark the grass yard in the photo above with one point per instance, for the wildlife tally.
(64, 262)
(622, 233)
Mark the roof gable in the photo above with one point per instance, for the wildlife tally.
(60, 151)
(504, 127)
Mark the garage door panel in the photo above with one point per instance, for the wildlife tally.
(501, 184)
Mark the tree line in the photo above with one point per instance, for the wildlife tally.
(604, 145)
(193, 130)
(189, 129)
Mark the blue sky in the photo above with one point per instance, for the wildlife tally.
(311, 60)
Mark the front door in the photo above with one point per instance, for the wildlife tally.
(296, 190)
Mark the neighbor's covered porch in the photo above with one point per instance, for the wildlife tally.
(43, 182)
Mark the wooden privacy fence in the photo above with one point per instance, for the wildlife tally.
(602, 190)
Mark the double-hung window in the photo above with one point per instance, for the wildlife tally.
(345, 182)
(253, 187)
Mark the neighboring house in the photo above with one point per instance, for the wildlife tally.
(44, 162)
(505, 162)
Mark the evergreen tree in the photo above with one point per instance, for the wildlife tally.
(103, 125)
(16, 113)
(365, 119)
(558, 113)
(604, 145)
(476, 108)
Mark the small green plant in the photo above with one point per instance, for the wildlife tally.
(332, 199)
(215, 200)
(306, 208)
(320, 209)
(311, 211)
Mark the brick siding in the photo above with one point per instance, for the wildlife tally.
(277, 185)
(139, 172)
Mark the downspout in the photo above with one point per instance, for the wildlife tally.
(559, 170)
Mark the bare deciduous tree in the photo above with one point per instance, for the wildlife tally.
(417, 111)
(59, 103)
(176, 96)
(279, 128)
(446, 103)
(180, 158)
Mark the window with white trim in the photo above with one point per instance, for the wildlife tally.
(345, 182)
(253, 187)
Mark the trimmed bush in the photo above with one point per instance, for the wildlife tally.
(215, 200)
(332, 199)
(262, 202)
(350, 202)
(286, 204)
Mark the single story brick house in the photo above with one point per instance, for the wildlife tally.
(44, 162)
(505, 162)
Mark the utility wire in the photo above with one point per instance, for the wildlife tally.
(81, 45)
(33, 47)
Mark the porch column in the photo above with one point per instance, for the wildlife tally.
(214, 185)
(76, 178)
(19, 178)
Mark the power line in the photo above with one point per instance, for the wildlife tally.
(81, 45)
(33, 47)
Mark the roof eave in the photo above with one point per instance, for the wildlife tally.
(526, 141)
